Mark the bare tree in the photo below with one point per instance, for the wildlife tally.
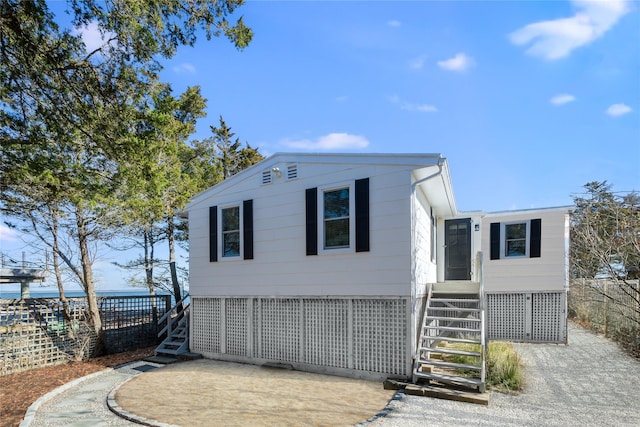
(605, 247)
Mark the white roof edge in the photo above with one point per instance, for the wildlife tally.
(567, 208)
(448, 184)
(472, 213)
(380, 158)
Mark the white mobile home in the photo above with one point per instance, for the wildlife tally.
(328, 263)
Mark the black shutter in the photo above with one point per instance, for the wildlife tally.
(534, 240)
(213, 234)
(362, 215)
(247, 228)
(312, 220)
(494, 238)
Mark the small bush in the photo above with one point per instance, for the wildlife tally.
(504, 368)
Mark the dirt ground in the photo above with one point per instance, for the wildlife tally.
(198, 392)
(19, 391)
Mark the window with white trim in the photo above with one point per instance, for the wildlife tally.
(336, 219)
(516, 239)
(230, 227)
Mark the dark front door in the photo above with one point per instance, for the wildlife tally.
(457, 250)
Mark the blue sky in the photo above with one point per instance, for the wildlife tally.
(527, 100)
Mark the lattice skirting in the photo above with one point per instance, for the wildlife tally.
(365, 337)
(527, 316)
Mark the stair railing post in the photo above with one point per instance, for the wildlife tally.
(483, 320)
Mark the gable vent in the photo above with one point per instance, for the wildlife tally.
(266, 177)
(292, 171)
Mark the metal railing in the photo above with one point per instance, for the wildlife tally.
(483, 317)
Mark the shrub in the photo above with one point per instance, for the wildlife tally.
(504, 368)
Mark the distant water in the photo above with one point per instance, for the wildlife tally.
(69, 294)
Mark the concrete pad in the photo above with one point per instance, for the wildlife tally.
(163, 360)
(207, 392)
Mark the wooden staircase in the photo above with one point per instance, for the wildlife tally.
(452, 329)
(176, 329)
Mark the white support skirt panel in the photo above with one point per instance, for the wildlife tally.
(380, 331)
(235, 326)
(346, 336)
(527, 316)
(506, 319)
(279, 329)
(547, 315)
(205, 314)
(326, 339)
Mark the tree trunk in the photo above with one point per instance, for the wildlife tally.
(56, 268)
(87, 277)
(172, 258)
(148, 260)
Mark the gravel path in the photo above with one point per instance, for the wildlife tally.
(83, 402)
(589, 382)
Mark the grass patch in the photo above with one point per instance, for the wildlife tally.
(504, 367)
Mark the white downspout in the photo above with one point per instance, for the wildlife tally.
(414, 325)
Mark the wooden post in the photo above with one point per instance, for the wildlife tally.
(606, 308)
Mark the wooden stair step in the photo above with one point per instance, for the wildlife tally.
(452, 329)
(440, 392)
(452, 379)
(449, 308)
(448, 300)
(445, 350)
(451, 339)
(454, 319)
(450, 364)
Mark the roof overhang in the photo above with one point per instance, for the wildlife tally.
(435, 183)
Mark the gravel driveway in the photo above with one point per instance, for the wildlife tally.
(589, 382)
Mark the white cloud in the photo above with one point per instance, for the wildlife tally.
(394, 23)
(422, 108)
(616, 110)
(460, 62)
(563, 98)
(8, 234)
(417, 63)
(91, 36)
(332, 141)
(185, 67)
(556, 38)
(408, 106)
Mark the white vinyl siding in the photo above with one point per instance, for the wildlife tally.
(515, 274)
(281, 266)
